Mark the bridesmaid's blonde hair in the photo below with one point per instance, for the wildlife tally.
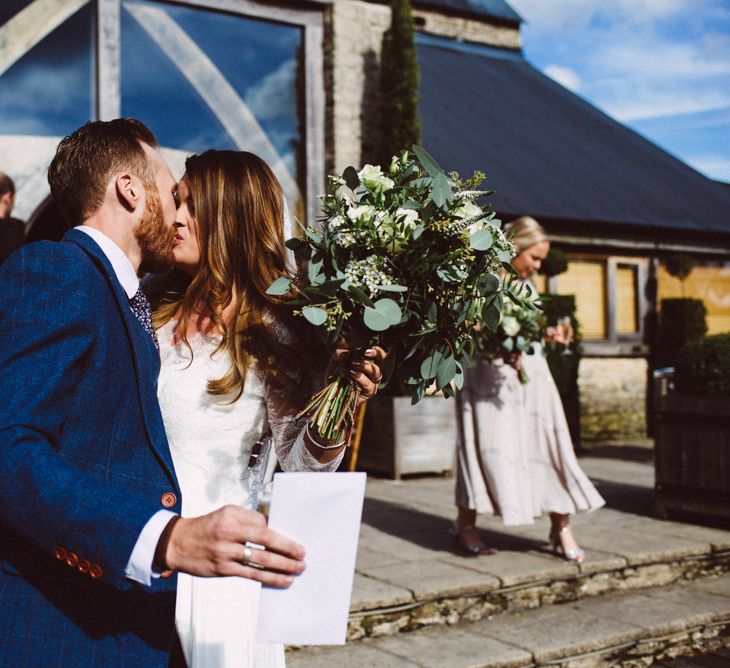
(525, 232)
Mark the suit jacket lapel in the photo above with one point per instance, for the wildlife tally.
(146, 359)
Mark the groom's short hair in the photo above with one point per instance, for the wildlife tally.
(87, 158)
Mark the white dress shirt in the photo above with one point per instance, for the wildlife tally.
(139, 567)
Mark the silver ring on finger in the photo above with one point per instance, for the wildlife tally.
(246, 558)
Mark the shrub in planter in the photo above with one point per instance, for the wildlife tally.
(682, 322)
(703, 367)
(564, 368)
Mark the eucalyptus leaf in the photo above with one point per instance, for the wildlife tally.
(491, 314)
(441, 191)
(294, 243)
(279, 287)
(430, 366)
(376, 321)
(393, 288)
(389, 309)
(429, 164)
(317, 316)
(418, 393)
(351, 178)
(315, 236)
(446, 372)
(361, 296)
(481, 240)
(315, 277)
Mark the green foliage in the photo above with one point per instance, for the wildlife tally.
(679, 265)
(406, 259)
(399, 123)
(703, 366)
(555, 263)
(564, 368)
(682, 321)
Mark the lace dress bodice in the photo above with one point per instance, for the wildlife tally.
(210, 436)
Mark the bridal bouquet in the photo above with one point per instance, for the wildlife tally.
(406, 259)
(522, 323)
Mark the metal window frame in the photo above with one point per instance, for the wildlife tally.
(310, 19)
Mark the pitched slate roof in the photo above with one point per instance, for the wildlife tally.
(549, 153)
(495, 9)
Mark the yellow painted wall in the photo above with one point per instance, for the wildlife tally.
(586, 280)
(711, 285)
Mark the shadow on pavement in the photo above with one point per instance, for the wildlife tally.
(431, 531)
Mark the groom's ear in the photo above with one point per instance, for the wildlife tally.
(129, 190)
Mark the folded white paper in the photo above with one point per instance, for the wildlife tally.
(322, 512)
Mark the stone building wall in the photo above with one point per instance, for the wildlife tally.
(612, 398)
(353, 36)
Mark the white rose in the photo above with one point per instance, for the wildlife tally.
(372, 177)
(360, 212)
(468, 210)
(408, 217)
(510, 325)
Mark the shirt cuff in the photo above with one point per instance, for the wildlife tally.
(139, 567)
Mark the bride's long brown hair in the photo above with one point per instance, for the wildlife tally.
(239, 209)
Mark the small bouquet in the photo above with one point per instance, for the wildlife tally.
(522, 323)
(405, 259)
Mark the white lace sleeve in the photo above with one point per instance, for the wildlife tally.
(285, 397)
(288, 433)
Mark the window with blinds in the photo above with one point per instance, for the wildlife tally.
(587, 281)
(627, 312)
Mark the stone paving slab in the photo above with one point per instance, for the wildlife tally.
(456, 649)
(557, 631)
(360, 654)
(637, 622)
(516, 568)
(433, 578)
(370, 593)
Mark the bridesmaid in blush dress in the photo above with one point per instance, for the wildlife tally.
(514, 451)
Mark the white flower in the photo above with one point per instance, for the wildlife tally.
(468, 210)
(372, 177)
(510, 325)
(362, 212)
(474, 227)
(336, 222)
(407, 216)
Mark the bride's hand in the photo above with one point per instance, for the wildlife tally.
(215, 545)
(365, 370)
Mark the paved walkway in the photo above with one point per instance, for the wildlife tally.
(409, 576)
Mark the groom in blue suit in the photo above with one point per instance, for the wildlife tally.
(89, 501)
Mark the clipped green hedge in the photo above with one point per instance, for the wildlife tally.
(564, 368)
(682, 322)
(703, 367)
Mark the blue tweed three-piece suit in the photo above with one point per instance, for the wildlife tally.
(84, 464)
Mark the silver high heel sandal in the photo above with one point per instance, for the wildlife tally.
(577, 555)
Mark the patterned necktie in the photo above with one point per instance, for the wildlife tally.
(142, 309)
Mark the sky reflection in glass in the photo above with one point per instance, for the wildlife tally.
(257, 58)
(49, 91)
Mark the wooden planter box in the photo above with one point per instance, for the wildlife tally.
(400, 439)
(692, 455)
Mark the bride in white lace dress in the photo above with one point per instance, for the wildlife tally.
(231, 370)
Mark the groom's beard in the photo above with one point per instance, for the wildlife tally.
(155, 239)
